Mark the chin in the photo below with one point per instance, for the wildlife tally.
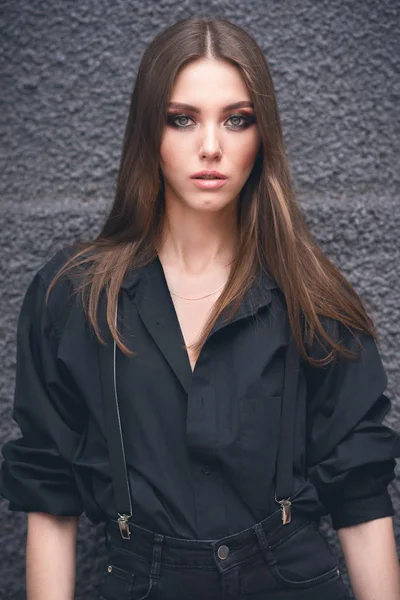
(209, 203)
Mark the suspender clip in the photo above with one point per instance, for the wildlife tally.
(286, 506)
(123, 522)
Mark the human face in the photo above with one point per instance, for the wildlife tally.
(209, 137)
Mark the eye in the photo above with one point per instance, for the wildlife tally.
(172, 120)
(247, 121)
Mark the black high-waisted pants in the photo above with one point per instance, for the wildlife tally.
(267, 561)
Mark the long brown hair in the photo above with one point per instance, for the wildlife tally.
(272, 229)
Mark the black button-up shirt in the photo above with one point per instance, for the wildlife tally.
(200, 447)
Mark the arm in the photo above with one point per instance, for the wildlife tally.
(37, 472)
(371, 559)
(50, 557)
(351, 462)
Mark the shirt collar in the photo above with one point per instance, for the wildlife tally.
(147, 288)
(151, 278)
(262, 284)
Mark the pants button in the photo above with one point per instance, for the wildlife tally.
(223, 552)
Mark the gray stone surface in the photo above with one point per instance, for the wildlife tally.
(66, 73)
(68, 68)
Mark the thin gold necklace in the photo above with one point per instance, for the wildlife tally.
(201, 297)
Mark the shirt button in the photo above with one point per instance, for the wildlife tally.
(206, 469)
(223, 552)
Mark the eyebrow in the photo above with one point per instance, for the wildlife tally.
(182, 106)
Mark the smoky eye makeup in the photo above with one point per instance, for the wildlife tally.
(239, 121)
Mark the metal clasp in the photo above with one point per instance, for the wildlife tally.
(123, 522)
(286, 506)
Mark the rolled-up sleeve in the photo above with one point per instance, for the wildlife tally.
(36, 472)
(350, 452)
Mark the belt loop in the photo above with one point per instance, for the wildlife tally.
(261, 537)
(156, 560)
(106, 534)
(263, 542)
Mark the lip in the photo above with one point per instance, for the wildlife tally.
(209, 184)
(205, 172)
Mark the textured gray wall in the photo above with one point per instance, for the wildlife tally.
(67, 70)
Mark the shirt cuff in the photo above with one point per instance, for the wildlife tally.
(353, 511)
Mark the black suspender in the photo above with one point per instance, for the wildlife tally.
(122, 494)
(284, 463)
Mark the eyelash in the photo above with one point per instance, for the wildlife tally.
(248, 121)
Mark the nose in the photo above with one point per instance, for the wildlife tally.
(210, 145)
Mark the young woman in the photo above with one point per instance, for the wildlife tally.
(200, 377)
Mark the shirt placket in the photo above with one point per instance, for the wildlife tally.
(201, 436)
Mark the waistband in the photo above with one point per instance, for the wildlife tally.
(223, 552)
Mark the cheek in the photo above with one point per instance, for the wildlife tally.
(171, 153)
(246, 153)
(248, 160)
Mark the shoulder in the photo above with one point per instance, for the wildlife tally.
(62, 296)
(52, 266)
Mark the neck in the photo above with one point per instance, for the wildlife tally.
(195, 243)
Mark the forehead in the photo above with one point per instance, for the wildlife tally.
(209, 82)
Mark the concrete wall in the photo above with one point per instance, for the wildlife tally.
(67, 70)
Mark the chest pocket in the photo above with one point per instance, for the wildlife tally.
(259, 419)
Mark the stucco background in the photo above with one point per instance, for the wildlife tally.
(66, 74)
